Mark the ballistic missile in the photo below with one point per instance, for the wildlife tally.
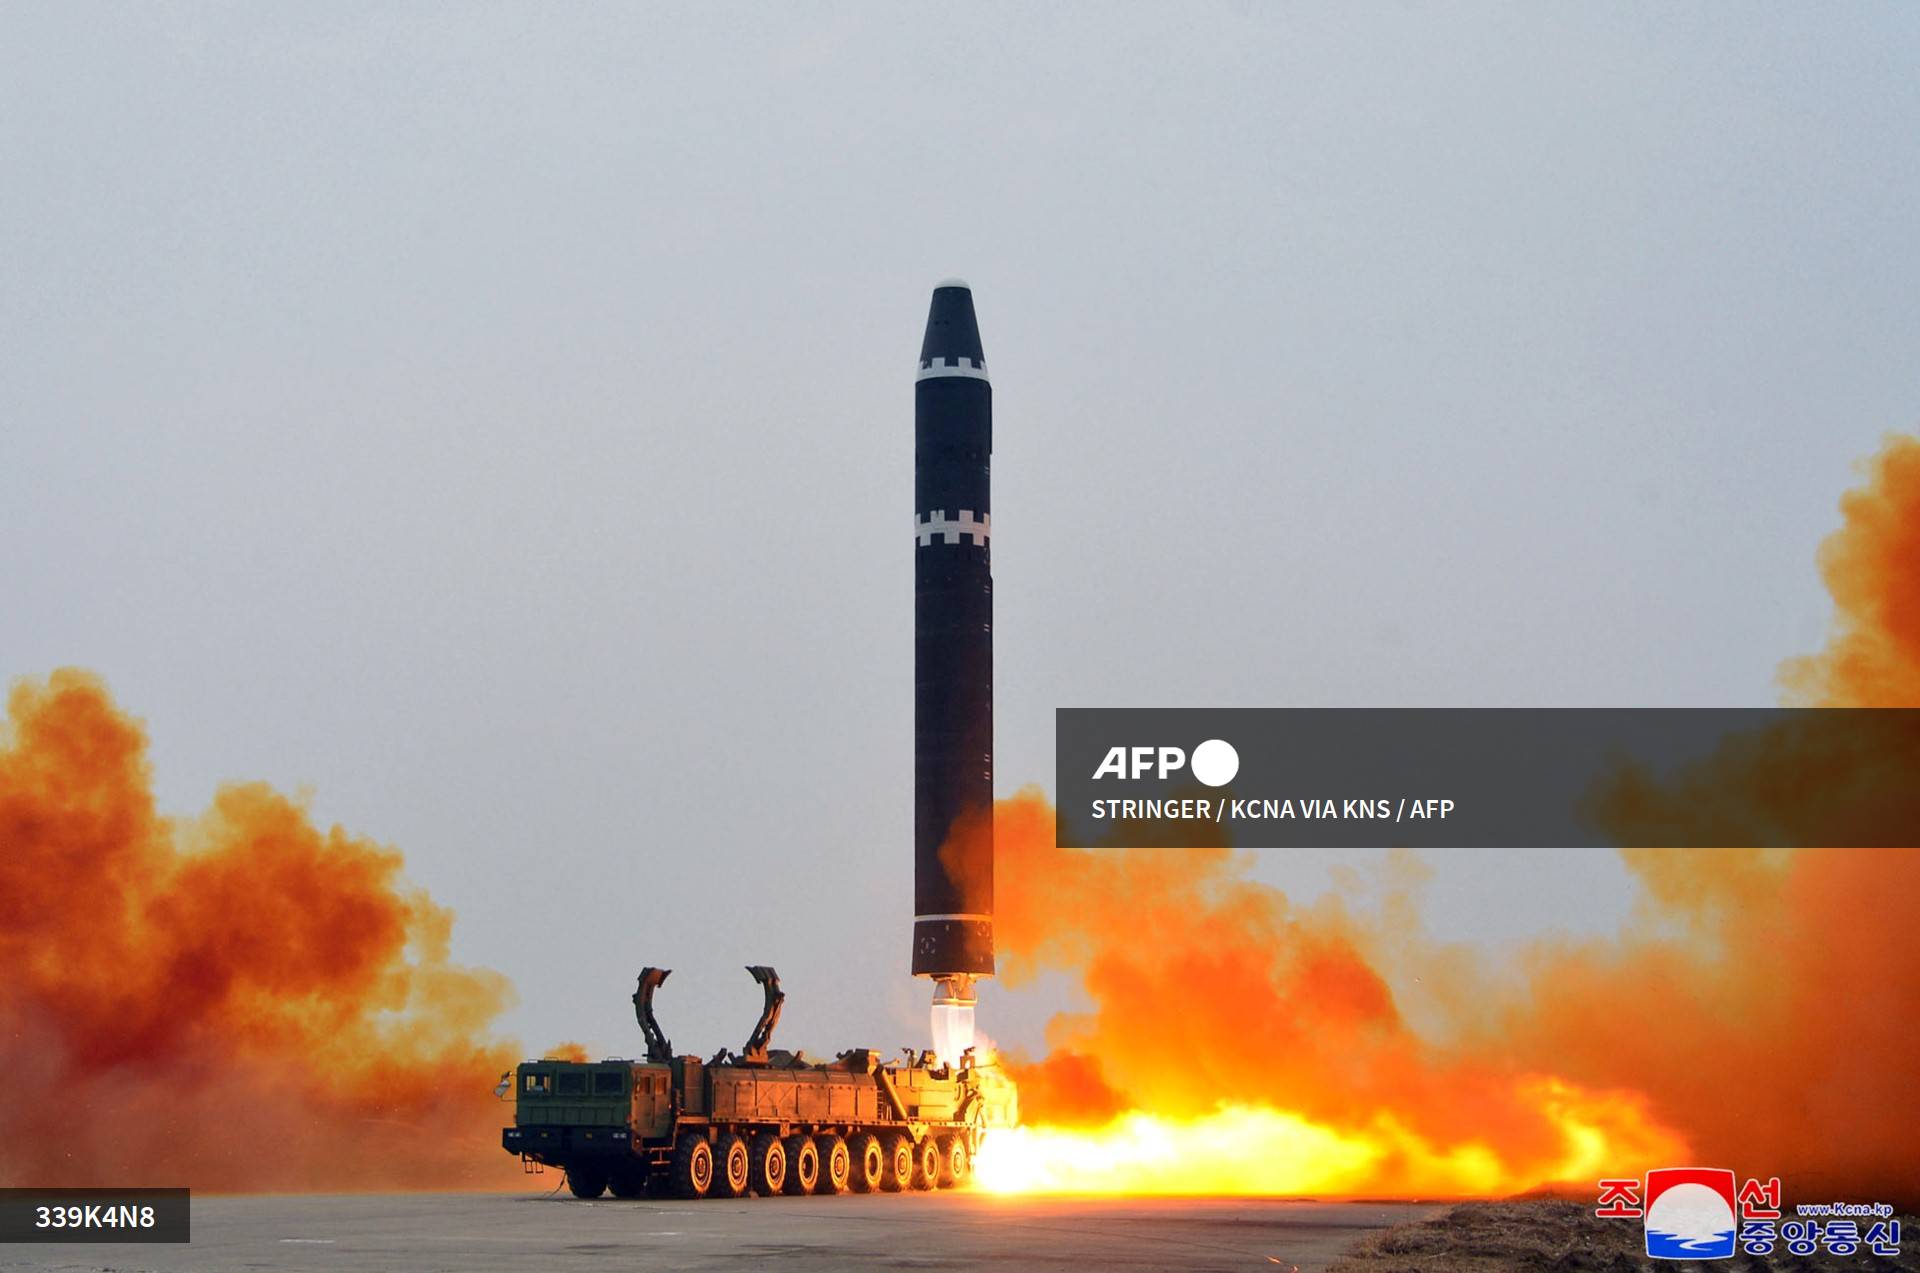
(952, 666)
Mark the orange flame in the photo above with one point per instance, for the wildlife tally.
(1758, 1014)
(238, 1001)
(1266, 1045)
(1258, 1150)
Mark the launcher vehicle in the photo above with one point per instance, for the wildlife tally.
(763, 1121)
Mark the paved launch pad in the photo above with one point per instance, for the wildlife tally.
(425, 1232)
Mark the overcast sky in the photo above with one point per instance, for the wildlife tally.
(497, 418)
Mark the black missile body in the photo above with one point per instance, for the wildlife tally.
(952, 648)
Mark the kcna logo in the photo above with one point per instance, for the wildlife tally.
(1690, 1213)
(1214, 762)
(1693, 1213)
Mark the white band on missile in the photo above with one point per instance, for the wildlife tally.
(927, 525)
(973, 368)
(921, 919)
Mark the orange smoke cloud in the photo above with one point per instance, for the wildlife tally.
(1759, 1013)
(1237, 1017)
(1872, 568)
(1069, 1089)
(1793, 975)
(239, 1001)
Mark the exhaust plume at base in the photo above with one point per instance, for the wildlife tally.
(1758, 1012)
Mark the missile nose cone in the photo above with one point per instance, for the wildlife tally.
(952, 332)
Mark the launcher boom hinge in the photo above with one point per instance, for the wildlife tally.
(659, 1047)
(756, 1049)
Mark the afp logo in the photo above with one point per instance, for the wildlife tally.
(1213, 762)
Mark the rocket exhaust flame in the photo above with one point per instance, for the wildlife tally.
(1240, 1044)
(953, 1004)
(1262, 1151)
(1758, 1011)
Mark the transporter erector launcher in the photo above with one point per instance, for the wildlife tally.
(952, 666)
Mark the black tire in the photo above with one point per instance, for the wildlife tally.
(732, 1176)
(692, 1170)
(803, 1166)
(586, 1181)
(869, 1162)
(836, 1164)
(767, 1167)
(628, 1182)
(956, 1162)
(898, 1172)
(926, 1164)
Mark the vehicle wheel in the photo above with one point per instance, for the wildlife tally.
(869, 1162)
(586, 1181)
(692, 1165)
(926, 1163)
(767, 1164)
(898, 1173)
(628, 1182)
(956, 1164)
(836, 1164)
(732, 1179)
(803, 1165)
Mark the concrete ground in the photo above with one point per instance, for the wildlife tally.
(476, 1232)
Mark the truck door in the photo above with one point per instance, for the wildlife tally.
(652, 1101)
